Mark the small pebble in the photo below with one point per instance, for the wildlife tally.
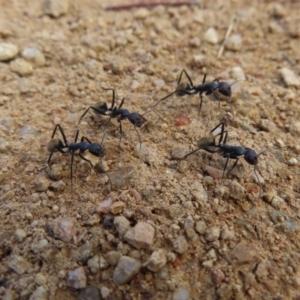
(18, 264)
(181, 294)
(211, 36)
(227, 234)
(201, 227)
(77, 279)
(238, 73)
(117, 207)
(104, 206)
(122, 225)
(34, 56)
(293, 161)
(64, 229)
(39, 294)
(141, 14)
(180, 245)
(113, 257)
(140, 236)
(277, 201)
(8, 51)
(182, 120)
(105, 291)
(157, 260)
(289, 77)
(55, 8)
(21, 67)
(234, 42)
(212, 234)
(58, 185)
(126, 269)
(20, 234)
(89, 293)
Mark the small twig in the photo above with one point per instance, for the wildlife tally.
(150, 4)
(228, 32)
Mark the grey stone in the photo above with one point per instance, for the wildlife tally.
(77, 279)
(39, 294)
(180, 245)
(121, 224)
(89, 293)
(18, 264)
(126, 269)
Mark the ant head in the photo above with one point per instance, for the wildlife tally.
(225, 88)
(96, 150)
(136, 119)
(251, 156)
(54, 144)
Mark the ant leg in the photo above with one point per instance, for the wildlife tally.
(226, 136)
(232, 166)
(113, 98)
(225, 166)
(76, 136)
(62, 133)
(260, 187)
(103, 138)
(85, 139)
(94, 109)
(72, 160)
(140, 140)
(217, 98)
(160, 117)
(188, 77)
(190, 153)
(49, 159)
(121, 132)
(82, 157)
(122, 102)
(221, 134)
(52, 151)
(159, 101)
(200, 104)
(204, 78)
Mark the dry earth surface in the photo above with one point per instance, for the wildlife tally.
(166, 229)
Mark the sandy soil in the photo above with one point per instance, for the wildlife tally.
(218, 239)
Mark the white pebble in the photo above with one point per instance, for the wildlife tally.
(211, 36)
(293, 161)
(234, 42)
(55, 8)
(8, 51)
(289, 77)
(34, 55)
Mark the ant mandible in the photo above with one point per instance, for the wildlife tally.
(84, 145)
(228, 151)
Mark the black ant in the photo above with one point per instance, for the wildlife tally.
(208, 88)
(84, 145)
(230, 152)
(134, 118)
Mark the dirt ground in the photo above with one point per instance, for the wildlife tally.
(216, 238)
